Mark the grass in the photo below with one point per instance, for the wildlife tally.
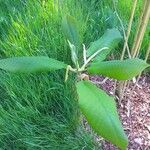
(41, 111)
(40, 115)
(37, 111)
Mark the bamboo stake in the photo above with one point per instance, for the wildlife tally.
(143, 24)
(146, 17)
(129, 28)
(138, 28)
(125, 38)
(140, 35)
(122, 26)
(122, 85)
(146, 57)
(147, 53)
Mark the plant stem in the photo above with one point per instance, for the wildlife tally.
(84, 53)
(91, 57)
(69, 68)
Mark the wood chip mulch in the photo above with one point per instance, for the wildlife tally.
(134, 111)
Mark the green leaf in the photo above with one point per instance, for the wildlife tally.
(110, 39)
(119, 69)
(70, 29)
(74, 56)
(101, 113)
(30, 64)
(102, 55)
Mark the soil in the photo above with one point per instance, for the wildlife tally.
(134, 111)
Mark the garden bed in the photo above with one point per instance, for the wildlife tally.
(134, 112)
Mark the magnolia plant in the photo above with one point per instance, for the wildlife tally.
(98, 108)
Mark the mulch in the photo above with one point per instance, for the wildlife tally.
(134, 112)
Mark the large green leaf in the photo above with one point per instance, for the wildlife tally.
(70, 29)
(30, 64)
(100, 112)
(119, 69)
(102, 55)
(110, 39)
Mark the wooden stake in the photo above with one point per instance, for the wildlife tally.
(122, 85)
(138, 28)
(143, 24)
(129, 29)
(147, 53)
(116, 91)
(139, 36)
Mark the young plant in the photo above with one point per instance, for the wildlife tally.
(98, 108)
